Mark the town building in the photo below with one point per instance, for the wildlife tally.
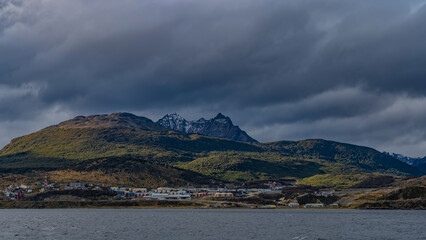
(314, 205)
(293, 204)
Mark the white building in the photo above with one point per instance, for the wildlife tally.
(293, 205)
(166, 196)
(314, 205)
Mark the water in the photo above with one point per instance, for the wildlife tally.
(210, 224)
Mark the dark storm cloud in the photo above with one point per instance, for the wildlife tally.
(282, 69)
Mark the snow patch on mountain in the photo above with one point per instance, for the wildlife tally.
(219, 126)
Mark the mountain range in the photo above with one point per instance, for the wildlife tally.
(126, 149)
(419, 162)
(409, 160)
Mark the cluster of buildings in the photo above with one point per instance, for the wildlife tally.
(16, 192)
(166, 193)
(312, 205)
(162, 193)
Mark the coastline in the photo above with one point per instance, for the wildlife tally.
(164, 204)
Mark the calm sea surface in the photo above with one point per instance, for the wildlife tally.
(211, 224)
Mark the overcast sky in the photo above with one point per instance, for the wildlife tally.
(343, 70)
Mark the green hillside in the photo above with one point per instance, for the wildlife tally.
(88, 143)
(331, 152)
(315, 162)
(128, 171)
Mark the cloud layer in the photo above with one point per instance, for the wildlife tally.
(346, 70)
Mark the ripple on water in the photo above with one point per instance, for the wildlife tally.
(210, 224)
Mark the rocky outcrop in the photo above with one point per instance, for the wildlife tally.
(220, 126)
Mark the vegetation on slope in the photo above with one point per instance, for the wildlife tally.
(128, 171)
(407, 193)
(360, 157)
(88, 143)
(114, 120)
(334, 180)
(375, 182)
(243, 166)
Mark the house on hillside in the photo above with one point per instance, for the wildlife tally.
(139, 190)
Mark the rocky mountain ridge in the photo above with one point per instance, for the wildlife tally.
(220, 126)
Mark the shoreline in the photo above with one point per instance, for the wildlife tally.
(162, 205)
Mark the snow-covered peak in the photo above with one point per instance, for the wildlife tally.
(174, 116)
(222, 119)
(220, 126)
(173, 121)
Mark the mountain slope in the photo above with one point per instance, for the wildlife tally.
(128, 171)
(321, 162)
(422, 167)
(219, 126)
(88, 143)
(364, 158)
(114, 120)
